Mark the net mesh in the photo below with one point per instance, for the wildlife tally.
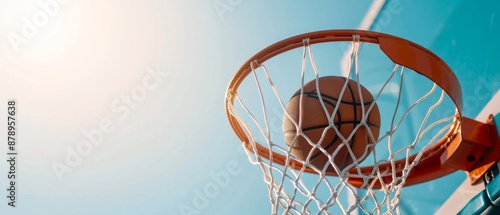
(412, 120)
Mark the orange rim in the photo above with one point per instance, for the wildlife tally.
(400, 51)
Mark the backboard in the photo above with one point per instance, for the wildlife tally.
(479, 81)
(463, 37)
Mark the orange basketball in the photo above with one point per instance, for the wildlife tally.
(315, 122)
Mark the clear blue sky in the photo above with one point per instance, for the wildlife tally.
(144, 84)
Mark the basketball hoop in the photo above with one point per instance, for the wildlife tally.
(456, 142)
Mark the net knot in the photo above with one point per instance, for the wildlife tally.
(254, 65)
(305, 42)
(356, 38)
(390, 132)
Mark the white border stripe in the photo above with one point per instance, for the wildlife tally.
(365, 24)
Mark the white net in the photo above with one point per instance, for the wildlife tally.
(414, 111)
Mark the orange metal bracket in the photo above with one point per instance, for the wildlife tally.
(476, 151)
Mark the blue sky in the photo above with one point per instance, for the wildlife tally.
(144, 84)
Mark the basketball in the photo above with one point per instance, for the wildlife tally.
(315, 122)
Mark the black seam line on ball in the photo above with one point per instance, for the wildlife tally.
(353, 140)
(314, 94)
(355, 123)
(315, 127)
(326, 148)
(336, 138)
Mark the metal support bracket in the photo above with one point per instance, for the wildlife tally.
(477, 149)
